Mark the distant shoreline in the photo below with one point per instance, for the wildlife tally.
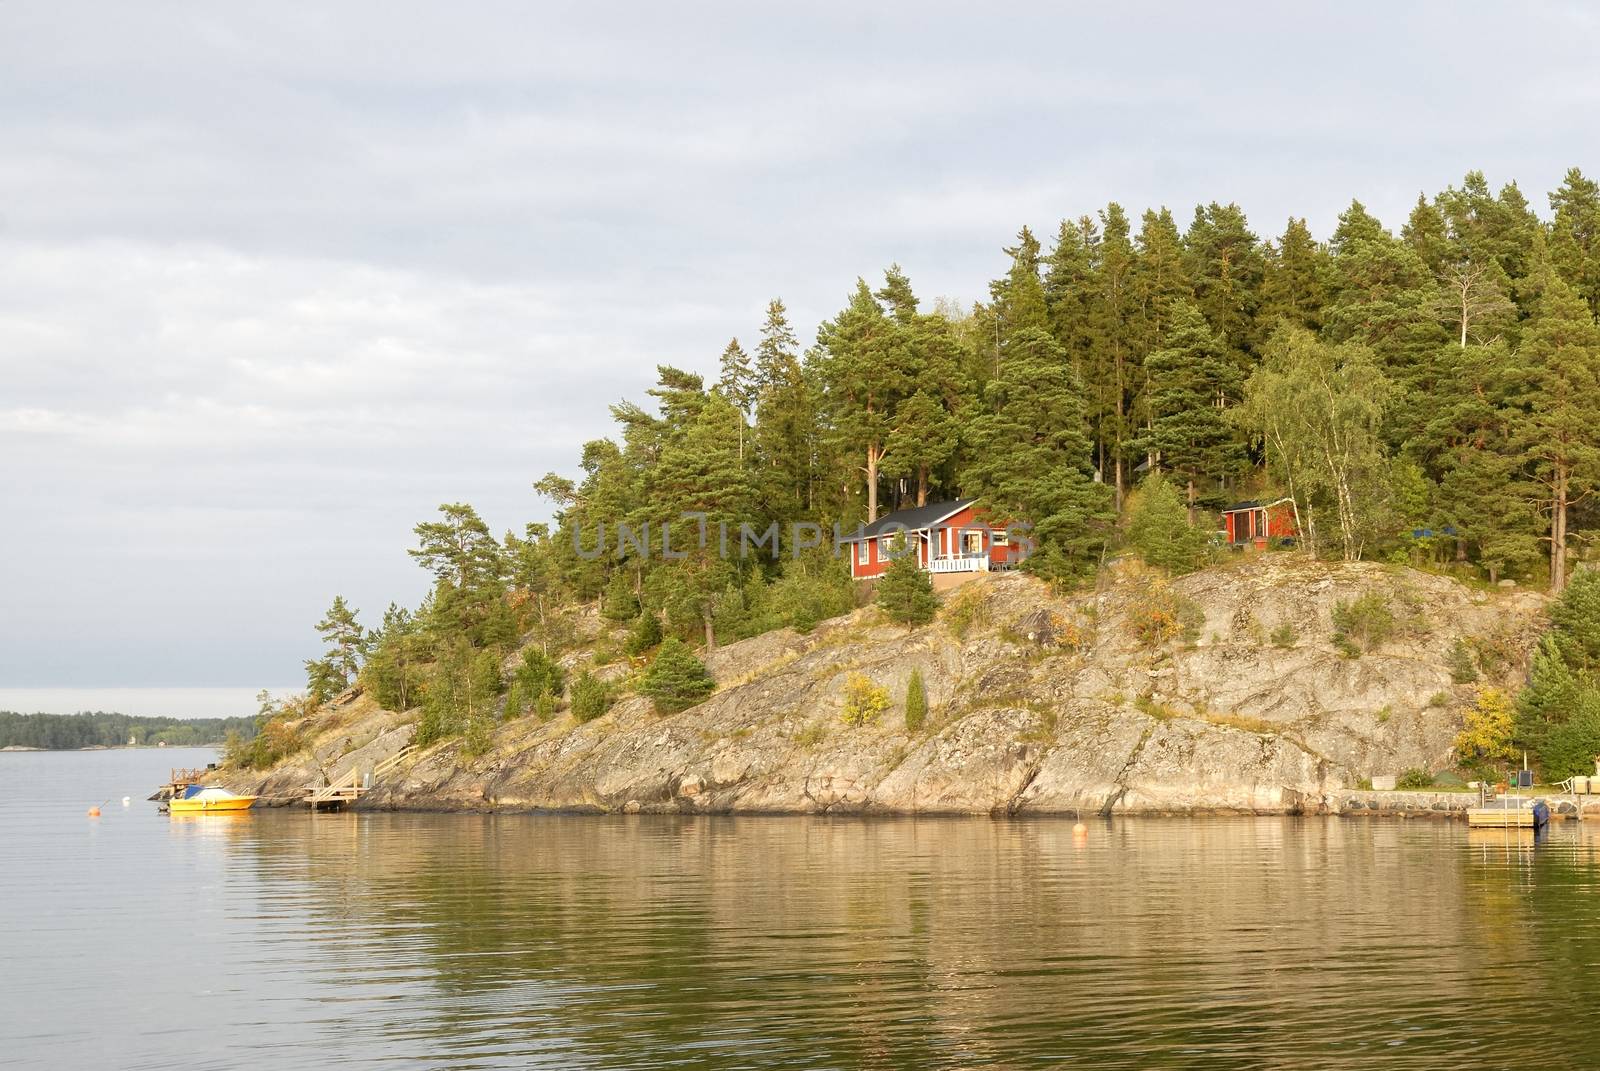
(111, 747)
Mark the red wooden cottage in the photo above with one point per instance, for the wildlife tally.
(947, 538)
(1257, 522)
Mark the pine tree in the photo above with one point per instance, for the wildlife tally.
(1225, 261)
(778, 348)
(924, 436)
(1030, 460)
(1115, 315)
(676, 680)
(1559, 435)
(916, 703)
(1019, 299)
(346, 639)
(1192, 383)
(1160, 530)
(1071, 285)
(645, 634)
(1468, 446)
(590, 697)
(905, 591)
(738, 385)
(785, 420)
(1575, 236)
(469, 566)
(866, 373)
(1292, 287)
(699, 491)
(620, 603)
(897, 296)
(1385, 298)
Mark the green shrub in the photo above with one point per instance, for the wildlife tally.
(916, 702)
(538, 676)
(1463, 666)
(1158, 614)
(620, 602)
(812, 589)
(1159, 529)
(967, 609)
(462, 686)
(1414, 779)
(676, 680)
(1361, 625)
(590, 697)
(905, 592)
(277, 736)
(645, 634)
(1284, 635)
(478, 737)
(863, 701)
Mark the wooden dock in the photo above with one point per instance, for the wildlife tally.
(179, 779)
(339, 794)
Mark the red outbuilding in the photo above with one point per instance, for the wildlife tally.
(948, 538)
(1257, 522)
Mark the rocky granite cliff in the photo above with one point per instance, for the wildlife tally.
(1037, 704)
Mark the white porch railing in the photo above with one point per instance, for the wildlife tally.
(959, 563)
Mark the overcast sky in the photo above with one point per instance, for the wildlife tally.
(275, 282)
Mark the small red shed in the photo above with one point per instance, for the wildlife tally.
(948, 537)
(1257, 522)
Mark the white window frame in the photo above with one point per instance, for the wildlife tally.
(863, 555)
(967, 538)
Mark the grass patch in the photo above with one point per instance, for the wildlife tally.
(1244, 722)
(811, 735)
(1146, 704)
(1362, 625)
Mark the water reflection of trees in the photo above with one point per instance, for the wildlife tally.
(626, 941)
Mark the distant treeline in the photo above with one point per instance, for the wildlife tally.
(92, 728)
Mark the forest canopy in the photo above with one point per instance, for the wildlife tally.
(54, 732)
(1427, 394)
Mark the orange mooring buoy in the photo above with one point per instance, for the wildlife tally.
(94, 812)
(1080, 829)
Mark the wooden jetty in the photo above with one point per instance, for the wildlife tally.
(340, 793)
(1508, 812)
(179, 779)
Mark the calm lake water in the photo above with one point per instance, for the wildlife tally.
(278, 940)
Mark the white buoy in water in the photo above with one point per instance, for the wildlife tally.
(127, 800)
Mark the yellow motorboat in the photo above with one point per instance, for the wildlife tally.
(208, 799)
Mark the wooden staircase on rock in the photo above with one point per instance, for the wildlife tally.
(336, 795)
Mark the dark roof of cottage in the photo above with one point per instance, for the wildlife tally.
(1252, 504)
(909, 520)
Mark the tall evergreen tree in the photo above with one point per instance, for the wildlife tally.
(1575, 235)
(738, 384)
(866, 372)
(1115, 313)
(1192, 384)
(1228, 268)
(1385, 298)
(1029, 457)
(1293, 290)
(785, 419)
(345, 638)
(1560, 432)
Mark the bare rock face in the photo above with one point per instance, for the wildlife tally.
(1042, 705)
